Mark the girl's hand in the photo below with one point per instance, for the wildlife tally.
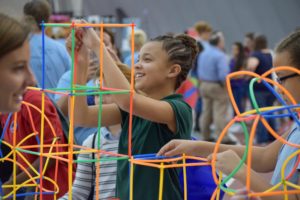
(178, 147)
(78, 42)
(89, 37)
(227, 161)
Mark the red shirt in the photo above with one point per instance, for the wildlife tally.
(26, 126)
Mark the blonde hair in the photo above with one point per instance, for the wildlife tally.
(202, 27)
(140, 38)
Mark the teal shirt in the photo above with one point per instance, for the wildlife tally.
(149, 137)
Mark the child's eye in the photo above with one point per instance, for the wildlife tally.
(147, 59)
(18, 68)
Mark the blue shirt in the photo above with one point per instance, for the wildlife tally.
(127, 60)
(194, 71)
(81, 133)
(212, 64)
(285, 152)
(108, 135)
(57, 61)
(65, 82)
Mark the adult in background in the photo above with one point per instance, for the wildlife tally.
(249, 43)
(259, 62)
(204, 31)
(57, 59)
(212, 71)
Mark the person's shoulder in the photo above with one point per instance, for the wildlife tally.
(173, 97)
(66, 75)
(32, 95)
(256, 54)
(88, 141)
(177, 99)
(60, 48)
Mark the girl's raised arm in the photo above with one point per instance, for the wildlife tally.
(85, 115)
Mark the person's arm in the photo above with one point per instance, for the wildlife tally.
(85, 115)
(252, 63)
(263, 158)
(228, 160)
(144, 107)
(62, 100)
(260, 184)
(62, 103)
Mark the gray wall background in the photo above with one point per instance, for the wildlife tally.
(274, 18)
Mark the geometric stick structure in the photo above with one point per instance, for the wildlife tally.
(46, 151)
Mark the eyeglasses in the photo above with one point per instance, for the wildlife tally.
(281, 79)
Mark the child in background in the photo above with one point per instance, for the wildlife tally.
(264, 159)
(159, 115)
(109, 140)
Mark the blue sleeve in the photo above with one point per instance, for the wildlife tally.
(223, 67)
(67, 60)
(127, 60)
(64, 82)
(64, 55)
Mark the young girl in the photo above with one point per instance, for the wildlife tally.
(264, 159)
(159, 114)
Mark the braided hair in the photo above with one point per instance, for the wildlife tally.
(182, 50)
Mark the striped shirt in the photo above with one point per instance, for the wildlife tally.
(108, 169)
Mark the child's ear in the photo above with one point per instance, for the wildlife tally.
(174, 71)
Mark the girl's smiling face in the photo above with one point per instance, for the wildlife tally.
(15, 76)
(152, 68)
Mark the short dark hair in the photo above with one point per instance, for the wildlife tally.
(40, 10)
(111, 35)
(215, 38)
(260, 42)
(250, 35)
(12, 33)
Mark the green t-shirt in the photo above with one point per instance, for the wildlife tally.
(147, 138)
